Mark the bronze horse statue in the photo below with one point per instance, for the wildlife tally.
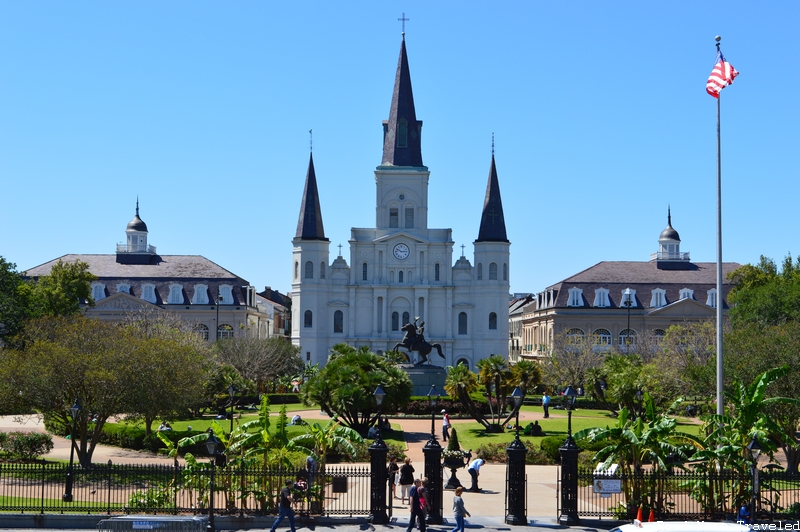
(414, 340)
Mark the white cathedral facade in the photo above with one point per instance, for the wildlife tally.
(401, 269)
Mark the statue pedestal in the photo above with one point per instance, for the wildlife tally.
(425, 376)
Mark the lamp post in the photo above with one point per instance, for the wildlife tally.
(569, 467)
(515, 471)
(232, 392)
(74, 410)
(212, 446)
(755, 451)
(640, 399)
(216, 323)
(628, 302)
(378, 473)
(433, 464)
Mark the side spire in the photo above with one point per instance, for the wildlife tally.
(402, 133)
(493, 223)
(309, 225)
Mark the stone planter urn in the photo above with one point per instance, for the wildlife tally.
(453, 463)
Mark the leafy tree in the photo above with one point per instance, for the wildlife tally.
(260, 361)
(765, 295)
(526, 374)
(321, 439)
(462, 383)
(344, 387)
(570, 360)
(14, 304)
(61, 292)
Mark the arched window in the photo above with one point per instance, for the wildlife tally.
(98, 291)
(462, 323)
(321, 270)
(492, 271)
(364, 271)
(505, 271)
(395, 321)
(200, 296)
(175, 294)
(436, 272)
(492, 321)
(409, 218)
(462, 362)
(393, 217)
(309, 270)
(400, 276)
(480, 271)
(575, 336)
(338, 321)
(296, 269)
(308, 319)
(406, 318)
(711, 299)
(627, 337)
(202, 330)
(124, 288)
(602, 337)
(149, 292)
(224, 331)
(660, 333)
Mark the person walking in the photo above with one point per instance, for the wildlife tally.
(459, 511)
(393, 470)
(546, 404)
(424, 504)
(285, 507)
(474, 470)
(445, 425)
(413, 496)
(406, 479)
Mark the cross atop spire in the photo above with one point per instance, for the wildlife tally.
(403, 19)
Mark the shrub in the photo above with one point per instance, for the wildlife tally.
(550, 446)
(26, 445)
(496, 452)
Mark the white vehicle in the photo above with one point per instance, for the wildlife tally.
(681, 526)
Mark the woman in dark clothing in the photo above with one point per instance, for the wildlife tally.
(406, 479)
(392, 471)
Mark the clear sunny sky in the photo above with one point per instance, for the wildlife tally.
(202, 110)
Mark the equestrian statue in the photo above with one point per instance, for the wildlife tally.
(414, 340)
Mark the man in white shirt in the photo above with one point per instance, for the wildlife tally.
(475, 471)
(445, 425)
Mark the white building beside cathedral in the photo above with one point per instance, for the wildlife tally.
(401, 269)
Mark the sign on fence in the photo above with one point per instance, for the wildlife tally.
(607, 485)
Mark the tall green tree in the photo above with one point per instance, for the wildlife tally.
(14, 302)
(343, 388)
(61, 292)
(764, 294)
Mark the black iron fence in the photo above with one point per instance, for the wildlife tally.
(688, 495)
(113, 489)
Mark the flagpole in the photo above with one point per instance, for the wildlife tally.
(720, 370)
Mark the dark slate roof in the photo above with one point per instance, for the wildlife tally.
(644, 277)
(275, 297)
(493, 223)
(309, 224)
(187, 270)
(402, 111)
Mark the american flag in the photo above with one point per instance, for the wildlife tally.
(722, 76)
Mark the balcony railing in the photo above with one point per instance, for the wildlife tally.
(666, 255)
(135, 248)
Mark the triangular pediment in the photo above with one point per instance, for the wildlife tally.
(121, 302)
(400, 235)
(685, 308)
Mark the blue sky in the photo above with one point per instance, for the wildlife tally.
(202, 109)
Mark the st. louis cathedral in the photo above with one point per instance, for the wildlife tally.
(401, 271)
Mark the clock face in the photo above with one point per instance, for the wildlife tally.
(401, 252)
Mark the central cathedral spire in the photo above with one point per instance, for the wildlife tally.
(402, 133)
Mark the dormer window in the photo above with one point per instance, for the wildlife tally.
(98, 291)
(226, 291)
(124, 288)
(175, 294)
(711, 300)
(659, 298)
(149, 292)
(575, 297)
(601, 298)
(628, 298)
(687, 293)
(200, 296)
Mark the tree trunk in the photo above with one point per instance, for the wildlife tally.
(792, 458)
